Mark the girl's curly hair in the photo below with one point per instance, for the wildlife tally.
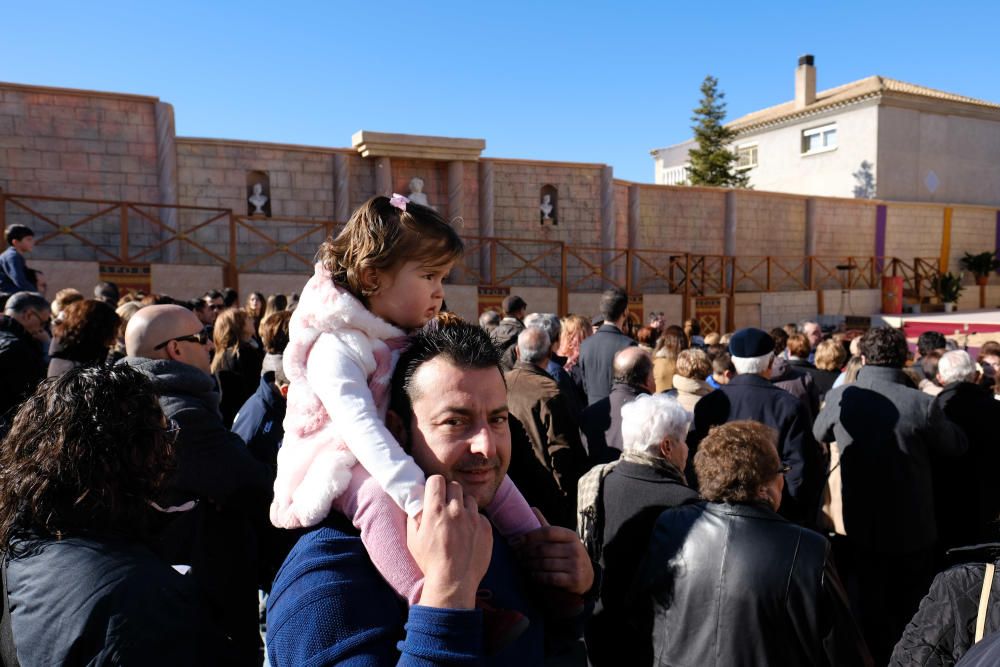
(85, 455)
(381, 236)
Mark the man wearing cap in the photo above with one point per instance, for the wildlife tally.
(750, 395)
(506, 333)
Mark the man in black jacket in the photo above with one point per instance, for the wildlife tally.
(505, 334)
(219, 484)
(750, 395)
(887, 432)
(22, 359)
(648, 479)
(601, 422)
(597, 353)
(966, 494)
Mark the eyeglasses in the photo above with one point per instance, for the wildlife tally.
(784, 470)
(217, 306)
(201, 338)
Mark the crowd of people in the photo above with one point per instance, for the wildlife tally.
(357, 475)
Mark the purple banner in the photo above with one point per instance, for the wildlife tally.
(997, 247)
(881, 214)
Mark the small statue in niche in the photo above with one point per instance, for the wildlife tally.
(417, 195)
(546, 208)
(258, 199)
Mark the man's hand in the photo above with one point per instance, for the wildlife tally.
(452, 543)
(555, 556)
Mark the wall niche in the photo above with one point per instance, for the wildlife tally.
(258, 194)
(548, 205)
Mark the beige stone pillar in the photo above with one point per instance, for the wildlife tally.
(383, 176)
(729, 233)
(456, 189)
(608, 222)
(341, 187)
(166, 175)
(634, 203)
(487, 209)
(810, 241)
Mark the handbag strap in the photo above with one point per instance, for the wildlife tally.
(984, 601)
(8, 651)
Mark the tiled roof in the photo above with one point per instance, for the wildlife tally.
(852, 92)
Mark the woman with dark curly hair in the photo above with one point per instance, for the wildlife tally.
(82, 335)
(85, 457)
(237, 361)
(729, 581)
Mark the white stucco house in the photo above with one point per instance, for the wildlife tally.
(919, 144)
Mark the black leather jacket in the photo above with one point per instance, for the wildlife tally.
(740, 585)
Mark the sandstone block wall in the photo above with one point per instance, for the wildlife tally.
(77, 144)
(682, 219)
(844, 227)
(517, 193)
(913, 230)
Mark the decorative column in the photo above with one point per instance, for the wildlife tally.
(341, 187)
(383, 176)
(456, 189)
(810, 241)
(487, 209)
(166, 176)
(634, 194)
(608, 224)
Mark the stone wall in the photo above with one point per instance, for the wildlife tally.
(78, 144)
(844, 227)
(913, 230)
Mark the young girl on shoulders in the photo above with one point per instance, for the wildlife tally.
(377, 280)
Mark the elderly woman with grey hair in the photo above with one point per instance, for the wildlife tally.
(647, 479)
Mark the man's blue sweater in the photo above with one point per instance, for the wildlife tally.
(329, 605)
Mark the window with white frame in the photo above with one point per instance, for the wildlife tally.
(819, 139)
(746, 156)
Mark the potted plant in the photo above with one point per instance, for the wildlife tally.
(948, 288)
(981, 265)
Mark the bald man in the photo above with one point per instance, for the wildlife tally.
(601, 422)
(218, 495)
(535, 402)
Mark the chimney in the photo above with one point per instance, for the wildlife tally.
(805, 82)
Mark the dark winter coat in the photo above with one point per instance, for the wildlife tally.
(102, 601)
(778, 600)
(944, 627)
(505, 337)
(22, 367)
(753, 397)
(239, 376)
(634, 497)
(601, 423)
(966, 492)
(218, 538)
(887, 431)
(259, 421)
(794, 378)
(597, 354)
(534, 399)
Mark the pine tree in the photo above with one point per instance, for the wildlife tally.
(712, 163)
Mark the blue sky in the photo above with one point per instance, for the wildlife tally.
(575, 81)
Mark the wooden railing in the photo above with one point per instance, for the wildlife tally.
(133, 232)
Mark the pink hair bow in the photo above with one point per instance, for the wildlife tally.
(399, 201)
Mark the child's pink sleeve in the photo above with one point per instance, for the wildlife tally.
(510, 512)
(383, 532)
